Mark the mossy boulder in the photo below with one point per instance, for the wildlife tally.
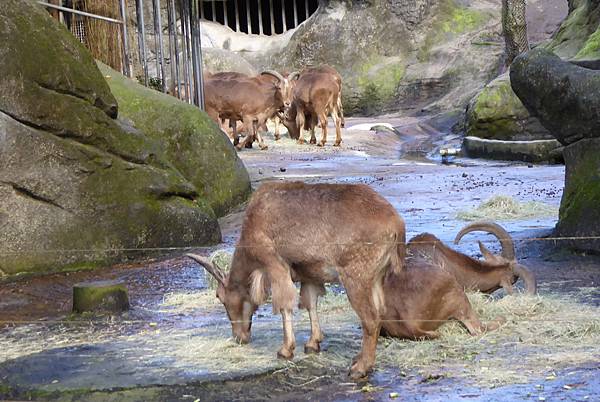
(497, 113)
(580, 205)
(189, 139)
(100, 296)
(565, 97)
(396, 55)
(78, 187)
(578, 36)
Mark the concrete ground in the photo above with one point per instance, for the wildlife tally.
(160, 350)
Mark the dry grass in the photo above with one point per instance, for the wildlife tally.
(503, 207)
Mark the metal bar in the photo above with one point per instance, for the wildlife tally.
(213, 9)
(160, 46)
(189, 82)
(272, 17)
(171, 46)
(225, 16)
(295, 14)
(197, 56)
(248, 18)
(72, 11)
(176, 46)
(126, 65)
(236, 13)
(305, 10)
(142, 40)
(260, 20)
(202, 9)
(284, 25)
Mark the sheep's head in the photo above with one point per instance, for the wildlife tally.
(507, 255)
(235, 298)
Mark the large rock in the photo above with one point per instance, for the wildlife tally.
(497, 113)
(579, 35)
(188, 138)
(397, 55)
(580, 205)
(499, 127)
(79, 188)
(565, 97)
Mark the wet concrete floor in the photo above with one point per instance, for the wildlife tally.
(154, 351)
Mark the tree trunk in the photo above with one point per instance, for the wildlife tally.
(514, 28)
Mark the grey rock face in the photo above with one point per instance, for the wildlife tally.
(78, 188)
(565, 97)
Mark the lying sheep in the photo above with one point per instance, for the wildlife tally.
(487, 275)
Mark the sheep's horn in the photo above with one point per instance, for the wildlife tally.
(212, 269)
(294, 76)
(528, 277)
(274, 74)
(508, 246)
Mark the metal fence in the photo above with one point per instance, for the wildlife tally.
(182, 54)
(168, 57)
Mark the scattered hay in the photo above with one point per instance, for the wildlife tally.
(503, 207)
(541, 334)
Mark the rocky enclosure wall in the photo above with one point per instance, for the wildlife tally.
(85, 176)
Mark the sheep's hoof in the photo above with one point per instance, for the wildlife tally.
(300, 141)
(285, 354)
(313, 141)
(337, 144)
(309, 349)
(321, 143)
(263, 147)
(357, 373)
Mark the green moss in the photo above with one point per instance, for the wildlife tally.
(582, 191)
(377, 82)
(577, 35)
(192, 142)
(495, 112)
(452, 19)
(591, 48)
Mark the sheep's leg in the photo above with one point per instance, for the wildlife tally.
(300, 119)
(249, 138)
(277, 123)
(309, 294)
(261, 142)
(323, 121)
(338, 127)
(235, 134)
(289, 341)
(283, 295)
(363, 295)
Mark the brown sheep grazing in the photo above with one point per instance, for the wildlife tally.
(353, 236)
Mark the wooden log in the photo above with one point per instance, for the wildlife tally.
(100, 296)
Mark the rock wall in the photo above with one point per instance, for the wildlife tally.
(566, 99)
(75, 181)
(496, 112)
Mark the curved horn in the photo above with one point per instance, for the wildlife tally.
(212, 269)
(528, 277)
(294, 76)
(274, 74)
(508, 247)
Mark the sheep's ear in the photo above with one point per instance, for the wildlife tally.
(487, 254)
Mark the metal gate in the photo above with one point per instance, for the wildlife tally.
(183, 48)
